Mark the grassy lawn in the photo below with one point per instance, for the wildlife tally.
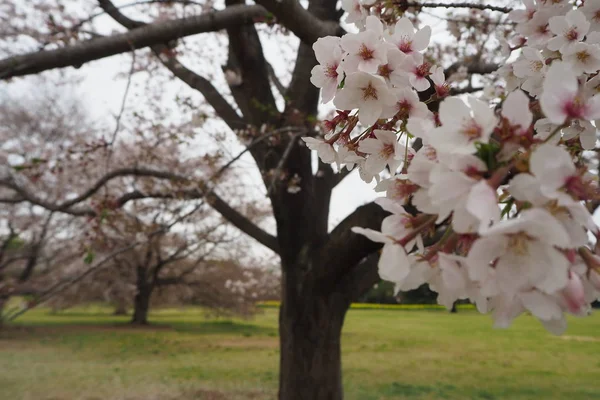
(388, 354)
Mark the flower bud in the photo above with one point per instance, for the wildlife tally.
(574, 296)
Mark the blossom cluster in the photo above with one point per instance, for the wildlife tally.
(486, 203)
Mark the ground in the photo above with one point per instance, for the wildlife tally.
(88, 354)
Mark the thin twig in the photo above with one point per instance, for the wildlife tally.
(482, 7)
(284, 157)
(121, 111)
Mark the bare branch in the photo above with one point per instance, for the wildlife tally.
(472, 6)
(276, 81)
(157, 33)
(284, 157)
(225, 111)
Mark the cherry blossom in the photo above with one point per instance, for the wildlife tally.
(407, 105)
(524, 253)
(516, 110)
(368, 93)
(499, 183)
(325, 150)
(356, 12)
(365, 52)
(563, 99)
(383, 150)
(524, 15)
(583, 57)
(591, 10)
(326, 76)
(462, 125)
(417, 71)
(392, 72)
(569, 30)
(406, 39)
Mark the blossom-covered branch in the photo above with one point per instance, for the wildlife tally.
(505, 176)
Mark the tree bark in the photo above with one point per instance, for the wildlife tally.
(120, 309)
(310, 328)
(3, 301)
(141, 303)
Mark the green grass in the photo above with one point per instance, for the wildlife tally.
(388, 354)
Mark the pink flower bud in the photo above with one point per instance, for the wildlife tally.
(574, 295)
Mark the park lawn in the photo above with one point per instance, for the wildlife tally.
(388, 354)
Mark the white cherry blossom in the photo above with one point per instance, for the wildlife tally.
(562, 97)
(524, 253)
(365, 52)
(407, 105)
(462, 125)
(569, 30)
(591, 10)
(325, 150)
(583, 57)
(383, 150)
(406, 39)
(417, 71)
(325, 75)
(516, 110)
(368, 93)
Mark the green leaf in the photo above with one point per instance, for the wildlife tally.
(487, 152)
(89, 257)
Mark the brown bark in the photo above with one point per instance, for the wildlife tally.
(310, 360)
(310, 324)
(120, 309)
(141, 303)
(3, 301)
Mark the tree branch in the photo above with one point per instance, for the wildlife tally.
(221, 106)
(471, 6)
(233, 216)
(362, 278)
(144, 36)
(345, 249)
(306, 26)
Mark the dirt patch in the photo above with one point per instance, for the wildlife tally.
(581, 338)
(235, 395)
(253, 343)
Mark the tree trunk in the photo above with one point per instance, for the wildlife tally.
(310, 338)
(3, 301)
(120, 308)
(453, 310)
(141, 301)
